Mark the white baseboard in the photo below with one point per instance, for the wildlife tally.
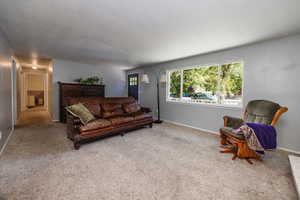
(289, 150)
(294, 162)
(6, 142)
(216, 133)
(193, 127)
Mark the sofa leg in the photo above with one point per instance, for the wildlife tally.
(76, 145)
(76, 142)
(122, 134)
(150, 125)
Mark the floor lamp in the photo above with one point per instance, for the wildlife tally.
(159, 79)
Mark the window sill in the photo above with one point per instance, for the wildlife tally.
(231, 107)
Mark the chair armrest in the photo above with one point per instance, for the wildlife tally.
(232, 122)
(146, 110)
(279, 112)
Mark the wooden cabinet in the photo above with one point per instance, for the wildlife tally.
(67, 90)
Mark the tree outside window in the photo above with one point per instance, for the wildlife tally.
(216, 84)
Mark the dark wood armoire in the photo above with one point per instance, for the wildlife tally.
(67, 90)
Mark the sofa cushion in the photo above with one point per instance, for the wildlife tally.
(95, 109)
(97, 124)
(80, 111)
(120, 120)
(229, 131)
(109, 107)
(141, 115)
(131, 107)
(115, 113)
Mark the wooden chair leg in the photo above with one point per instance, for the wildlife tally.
(227, 151)
(223, 140)
(239, 149)
(228, 146)
(234, 156)
(230, 149)
(249, 161)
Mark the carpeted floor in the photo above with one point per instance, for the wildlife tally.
(166, 162)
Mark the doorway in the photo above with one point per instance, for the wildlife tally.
(133, 86)
(34, 91)
(34, 97)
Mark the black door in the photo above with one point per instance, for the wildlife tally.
(133, 86)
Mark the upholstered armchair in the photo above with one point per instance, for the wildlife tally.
(257, 111)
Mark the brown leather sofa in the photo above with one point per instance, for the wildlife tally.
(115, 115)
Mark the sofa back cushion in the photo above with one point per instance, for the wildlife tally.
(111, 106)
(80, 111)
(131, 107)
(95, 109)
(108, 107)
(111, 110)
(261, 111)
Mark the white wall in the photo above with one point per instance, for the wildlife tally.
(5, 90)
(271, 71)
(66, 71)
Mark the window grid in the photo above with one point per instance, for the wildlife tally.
(218, 92)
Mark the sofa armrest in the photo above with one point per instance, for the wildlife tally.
(73, 120)
(146, 110)
(232, 122)
(73, 124)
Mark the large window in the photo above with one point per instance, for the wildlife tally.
(216, 84)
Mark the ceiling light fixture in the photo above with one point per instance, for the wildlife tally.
(34, 61)
(34, 67)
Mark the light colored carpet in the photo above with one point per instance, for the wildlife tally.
(166, 162)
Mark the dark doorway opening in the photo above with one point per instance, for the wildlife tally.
(133, 85)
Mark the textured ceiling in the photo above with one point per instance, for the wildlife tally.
(139, 32)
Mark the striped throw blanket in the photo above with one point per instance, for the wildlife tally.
(259, 137)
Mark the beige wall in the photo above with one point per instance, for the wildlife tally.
(35, 82)
(49, 88)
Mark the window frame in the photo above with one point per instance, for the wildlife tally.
(218, 104)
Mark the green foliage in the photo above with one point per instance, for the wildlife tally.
(205, 79)
(231, 79)
(175, 84)
(89, 81)
(200, 80)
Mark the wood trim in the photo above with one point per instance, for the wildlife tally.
(79, 84)
(225, 121)
(279, 112)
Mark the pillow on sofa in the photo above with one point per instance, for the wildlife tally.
(131, 107)
(80, 111)
(95, 109)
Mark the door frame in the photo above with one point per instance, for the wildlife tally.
(139, 84)
(25, 88)
(14, 91)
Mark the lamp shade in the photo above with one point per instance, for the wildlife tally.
(145, 78)
(163, 78)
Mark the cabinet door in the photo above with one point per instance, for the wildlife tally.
(93, 91)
